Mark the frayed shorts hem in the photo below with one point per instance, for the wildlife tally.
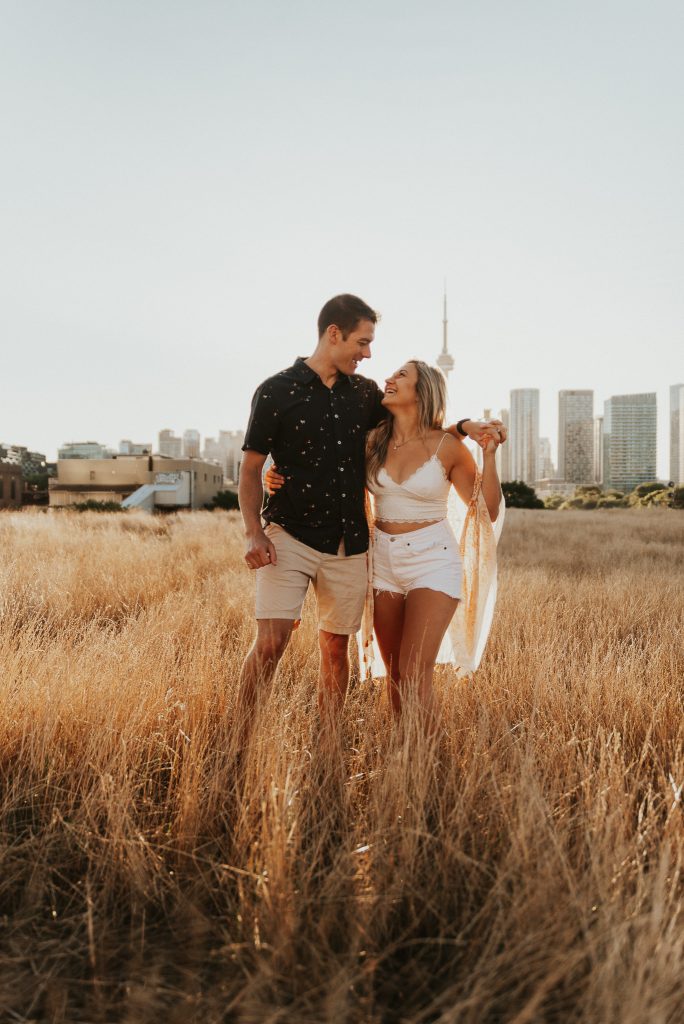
(384, 589)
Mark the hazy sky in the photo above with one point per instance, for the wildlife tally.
(183, 184)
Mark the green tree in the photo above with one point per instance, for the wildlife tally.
(678, 496)
(520, 495)
(37, 480)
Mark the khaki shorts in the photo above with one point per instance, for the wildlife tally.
(339, 581)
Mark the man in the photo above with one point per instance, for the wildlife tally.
(313, 419)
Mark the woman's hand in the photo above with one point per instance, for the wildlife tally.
(273, 479)
(490, 443)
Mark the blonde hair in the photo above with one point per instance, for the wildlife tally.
(431, 398)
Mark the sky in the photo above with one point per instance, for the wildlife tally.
(184, 184)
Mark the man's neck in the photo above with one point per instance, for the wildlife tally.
(321, 364)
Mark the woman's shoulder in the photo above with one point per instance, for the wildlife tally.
(444, 442)
(451, 449)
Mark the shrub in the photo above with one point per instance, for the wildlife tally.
(588, 491)
(678, 496)
(645, 495)
(612, 501)
(641, 490)
(227, 500)
(91, 505)
(554, 501)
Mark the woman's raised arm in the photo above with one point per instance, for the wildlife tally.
(463, 470)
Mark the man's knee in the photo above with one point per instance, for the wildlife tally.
(272, 639)
(334, 646)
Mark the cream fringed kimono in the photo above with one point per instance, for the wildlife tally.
(466, 635)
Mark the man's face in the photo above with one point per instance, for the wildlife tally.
(348, 352)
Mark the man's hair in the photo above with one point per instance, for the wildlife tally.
(345, 312)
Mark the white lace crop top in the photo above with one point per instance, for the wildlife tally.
(421, 498)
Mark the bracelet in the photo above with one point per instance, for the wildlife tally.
(459, 426)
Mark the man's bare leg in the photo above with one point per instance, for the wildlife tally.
(333, 676)
(259, 668)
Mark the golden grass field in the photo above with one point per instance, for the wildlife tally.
(526, 868)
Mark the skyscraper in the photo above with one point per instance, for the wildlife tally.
(576, 436)
(227, 451)
(232, 442)
(629, 441)
(677, 433)
(503, 452)
(170, 445)
(445, 360)
(524, 434)
(598, 449)
(545, 467)
(128, 447)
(191, 444)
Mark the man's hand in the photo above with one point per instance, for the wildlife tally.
(481, 431)
(260, 551)
(273, 479)
(490, 443)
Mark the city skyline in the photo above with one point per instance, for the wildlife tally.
(665, 432)
(580, 445)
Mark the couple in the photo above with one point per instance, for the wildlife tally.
(333, 434)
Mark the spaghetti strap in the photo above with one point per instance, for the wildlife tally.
(440, 442)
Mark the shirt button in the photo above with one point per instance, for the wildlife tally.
(391, 540)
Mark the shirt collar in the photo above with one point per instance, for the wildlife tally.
(301, 371)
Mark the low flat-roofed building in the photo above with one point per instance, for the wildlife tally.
(545, 488)
(11, 485)
(84, 450)
(136, 481)
(127, 447)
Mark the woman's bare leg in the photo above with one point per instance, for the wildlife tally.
(427, 613)
(388, 623)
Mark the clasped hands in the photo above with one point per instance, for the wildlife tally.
(488, 434)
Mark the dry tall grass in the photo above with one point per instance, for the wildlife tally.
(527, 869)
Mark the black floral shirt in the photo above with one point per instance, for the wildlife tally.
(317, 437)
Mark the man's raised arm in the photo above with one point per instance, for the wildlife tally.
(260, 551)
(478, 430)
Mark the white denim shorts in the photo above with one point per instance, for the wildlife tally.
(428, 557)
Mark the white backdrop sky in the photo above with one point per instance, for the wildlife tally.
(183, 184)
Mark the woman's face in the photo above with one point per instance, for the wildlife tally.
(400, 387)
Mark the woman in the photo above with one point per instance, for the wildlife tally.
(417, 559)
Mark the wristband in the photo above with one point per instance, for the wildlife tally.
(459, 426)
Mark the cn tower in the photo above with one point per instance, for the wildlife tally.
(445, 360)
